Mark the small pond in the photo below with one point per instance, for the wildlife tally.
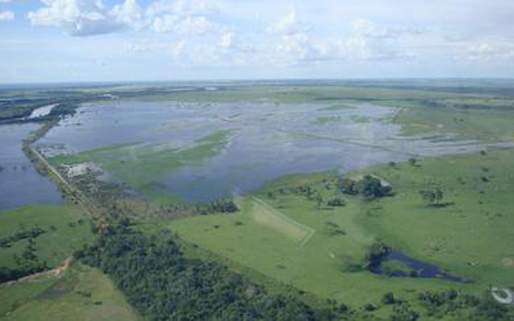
(398, 264)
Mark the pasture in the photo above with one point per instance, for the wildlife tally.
(470, 237)
(81, 293)
(65, 227)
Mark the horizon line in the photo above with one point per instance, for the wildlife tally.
(230, 80)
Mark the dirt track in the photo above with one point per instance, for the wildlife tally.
(57, 272)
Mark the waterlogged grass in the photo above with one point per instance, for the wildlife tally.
(302, 94)
(66, 229)
(141, 166)
(360, 119)
(338, 107)
(485, 122)
(469, 235)
(82, 293)
(323, 120)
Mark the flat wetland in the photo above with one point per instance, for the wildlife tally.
(201, 151)
(279, 151)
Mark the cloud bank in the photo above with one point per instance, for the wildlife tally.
(214, 38)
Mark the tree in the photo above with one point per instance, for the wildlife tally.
(319, 200)
(336, 202)
(433, 197)
(371, 187)
(348, 186)
(375, 254)
(388, 298)
(404, 313)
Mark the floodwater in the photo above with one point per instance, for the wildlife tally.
(267, 140)
(20, 184)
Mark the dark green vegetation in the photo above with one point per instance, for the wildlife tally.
(22, 234)
(369, 187)
(375, 254)
(19, 112)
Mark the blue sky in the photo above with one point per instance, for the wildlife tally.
(111, 40)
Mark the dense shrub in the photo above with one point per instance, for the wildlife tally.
(336, 201)
(375, 254)
(22, 234)
(370, 187)
(223, 205)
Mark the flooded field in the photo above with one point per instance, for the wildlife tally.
(20, 184)
(263, 142)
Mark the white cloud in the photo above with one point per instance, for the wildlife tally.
(6, 15)
(183, 17)
(165, 23)
(177, 49)
(288, 25)
(365, 41)
(189, 25)
(182, 8)
(367, 28)
(227, 40)
(210, 28)
(486, 51)
(77, 17)
(195, 25)
(128, 13)
(86, 17)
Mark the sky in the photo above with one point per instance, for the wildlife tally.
(146, 40)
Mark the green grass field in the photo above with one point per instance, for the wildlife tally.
(471, 238)
(66, 229)
(82, 293)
